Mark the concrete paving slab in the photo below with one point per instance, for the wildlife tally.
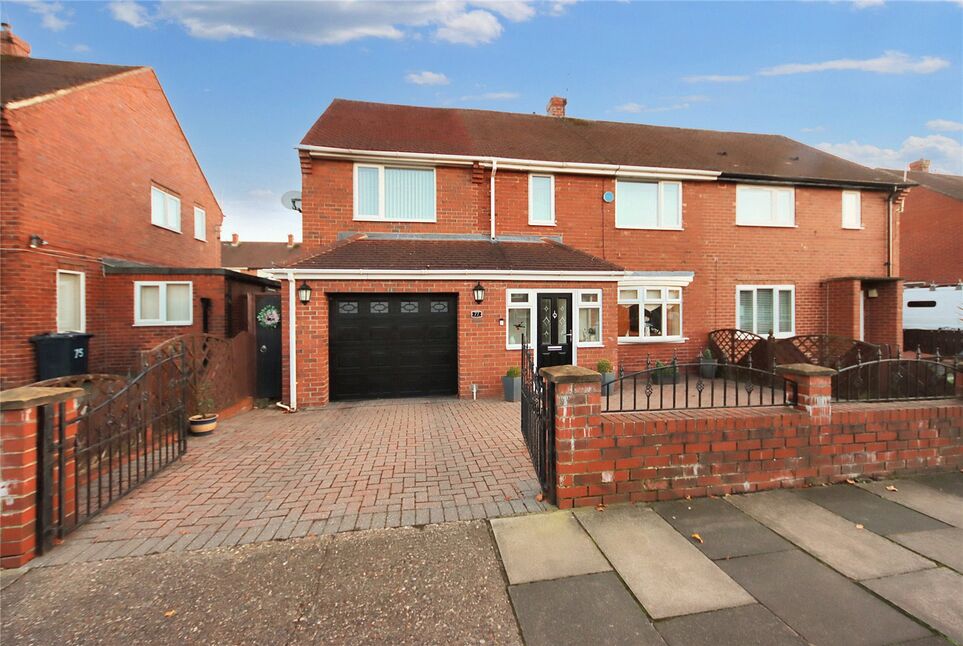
(662, 568)
(874, 513)
(726, 532)
(941, 545)
(744, 626)
(935, 640)
(923, 498)
(933, 596)
(857, 553)
(951, 482)
(587, 609)
(540, 547)
(821, 605)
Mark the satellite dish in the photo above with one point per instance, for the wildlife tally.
(608, 196)
(292, 200)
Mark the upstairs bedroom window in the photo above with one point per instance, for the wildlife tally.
(852, 207)
(165, 209)
(765, 309)
(394, 194)
(648, 205)
(200, 224)
(766, 206)
(541, 200)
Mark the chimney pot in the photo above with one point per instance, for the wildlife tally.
(556, 106)
(922, 165)
(290, 241)
(11, 44)
(235, 239)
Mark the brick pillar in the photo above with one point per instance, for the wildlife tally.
(19, 476)
(578, 419)
(813, 389)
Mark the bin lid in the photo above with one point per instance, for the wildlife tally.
(59, 335)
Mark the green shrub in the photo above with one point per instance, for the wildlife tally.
(514, 372)
(604, 366)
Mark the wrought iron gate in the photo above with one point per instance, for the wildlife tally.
(108, 448)
(538, 421)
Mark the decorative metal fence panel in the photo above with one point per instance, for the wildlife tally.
(949, 342)
(110, 447)
(896, 380)
(538, 422)
(707, 384)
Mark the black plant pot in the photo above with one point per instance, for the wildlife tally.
(513, 388)
(708, 367)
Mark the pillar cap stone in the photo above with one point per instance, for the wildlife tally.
(805, 369)
(33, 396)
(570, 375)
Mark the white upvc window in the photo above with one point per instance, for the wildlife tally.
(520, 317)
(394, 193)
(541, 200)
(200, 223)
(589, 318)
(650, 314)
(648, 205)
(71, 305)
(163, 303)
(165, 209)
(852, 210)
(521, 313)
(765, 309)
(765, 206)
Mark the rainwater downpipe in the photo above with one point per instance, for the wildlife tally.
(492, 191)
(292, 343)
(889, 231)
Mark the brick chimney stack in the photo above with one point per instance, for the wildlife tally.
(556, 106)
(11, 44)
(290, 241)
(235, 239)
(922, 165)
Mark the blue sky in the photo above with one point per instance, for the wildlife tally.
(877, 82)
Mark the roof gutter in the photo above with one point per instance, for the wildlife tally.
(805, 181)
(306, 273)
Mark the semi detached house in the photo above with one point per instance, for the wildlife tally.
(436, 240)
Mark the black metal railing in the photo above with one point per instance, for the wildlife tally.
(896, 379)
(707, 384)
(538, 421)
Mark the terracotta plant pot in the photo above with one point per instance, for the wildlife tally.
(203, 424)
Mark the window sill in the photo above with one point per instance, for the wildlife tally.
(859, 228)
(626, 228)
(165, 228)
(164, 324)
(200, 239)
(369, 219)
(768, 226)
(541, 224)
(625, 340)
(590, 344)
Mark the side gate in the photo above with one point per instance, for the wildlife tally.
(538, 422)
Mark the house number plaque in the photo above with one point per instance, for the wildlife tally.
(476, 314)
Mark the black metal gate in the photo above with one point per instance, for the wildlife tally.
(538, 422)
(103, 451)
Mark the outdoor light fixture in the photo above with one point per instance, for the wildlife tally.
(479, 293)
(304, 293)
(36, 242)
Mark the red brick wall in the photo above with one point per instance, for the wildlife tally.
(931, 227)
(843, 318)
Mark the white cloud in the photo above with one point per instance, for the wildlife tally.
(81, 48)
(559, 7)
(716, 78)
(427, 78)
(945, 152)
(53, 15)
(468, 22)
(866, 4)
(684, 103)
(130, 12)
(944, 125)
(490, 96)
(891, 62)
(813, 129)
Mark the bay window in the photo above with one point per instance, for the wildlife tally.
(648, 205)
(394, 194)
(766, 206)
(766, 309)
(649, 313)
(163, 303)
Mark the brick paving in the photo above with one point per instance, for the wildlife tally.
(267, 475)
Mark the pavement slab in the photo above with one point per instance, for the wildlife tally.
(950, 482)
(662, 568)
(874, 513)
(941, 545)
(923, 498)
(540, 547)
(933, 596)
(821, 605)
(587, 609)
(726, 532)
(857, 553)
(744, 626)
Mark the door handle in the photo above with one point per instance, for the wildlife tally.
(263, 349)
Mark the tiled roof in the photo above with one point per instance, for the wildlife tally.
(951, 185)
(366, 126)
(26, 78)
(441, 255)
(259, 255)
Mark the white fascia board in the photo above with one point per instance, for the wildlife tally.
(656, 279)
(452, 274)
(508, 163)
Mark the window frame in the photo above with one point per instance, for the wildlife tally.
(83, 300)
(859, 211)
(531, 306)
(381, 217)
(641, 300)
(775, 308)
(203, 212)
(531, 200)
(168, 195)
(774, 192)
(661, 199)
(162, 304)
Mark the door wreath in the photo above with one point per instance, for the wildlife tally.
(268, 316)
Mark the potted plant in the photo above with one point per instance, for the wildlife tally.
(604, 366)
(708, 364)
(665, 374)
(205, 421)
(512, 384)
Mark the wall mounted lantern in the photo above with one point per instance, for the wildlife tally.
(479, 292)
(304, 293)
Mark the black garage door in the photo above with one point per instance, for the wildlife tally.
(393, 345)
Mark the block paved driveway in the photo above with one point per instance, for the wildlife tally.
(268, 475)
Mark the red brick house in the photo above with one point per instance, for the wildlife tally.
(254, 257)
(931, 226)
(109, 225)
(596, 239)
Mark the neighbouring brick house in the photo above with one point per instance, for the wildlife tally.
(596, 239)
(255, 257)
(109, 225)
